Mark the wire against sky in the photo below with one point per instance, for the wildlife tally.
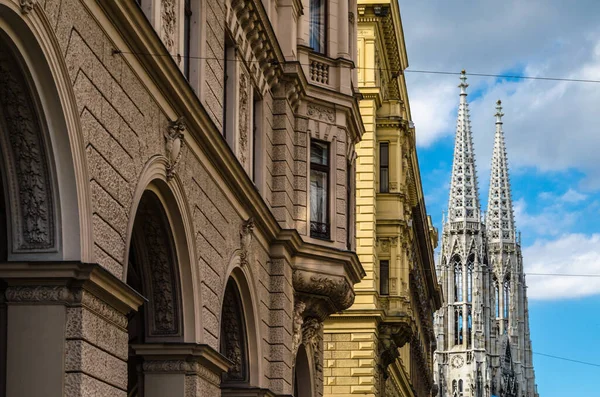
(441, 72)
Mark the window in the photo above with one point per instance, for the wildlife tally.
(317, 25)
(470, 266)
(319, 186)
(460, 327)
(506, 297)
(229, 89)
(349, 206)
(384, 277)
(460, 388)
(256, 136)
(384, 167)
(187, 27)
(469, 327)
(497, 295)
(458, 281)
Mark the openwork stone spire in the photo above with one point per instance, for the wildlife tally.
(500, 217)
(464, 196)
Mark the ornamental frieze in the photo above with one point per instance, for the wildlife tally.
(321, 113)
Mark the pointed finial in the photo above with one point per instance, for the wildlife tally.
(499, 113)
(463, 83)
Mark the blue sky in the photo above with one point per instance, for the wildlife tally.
(552, 134)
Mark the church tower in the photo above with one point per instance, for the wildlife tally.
(482, 329)
(511, 344)
(461, 357)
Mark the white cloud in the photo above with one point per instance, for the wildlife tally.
(549, 125)
(567, 254)
(550, 221)
(573, 196)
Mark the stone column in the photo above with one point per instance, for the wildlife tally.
(66, 330)
(185, 369)
(343, 22)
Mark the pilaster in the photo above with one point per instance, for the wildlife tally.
(72, 318)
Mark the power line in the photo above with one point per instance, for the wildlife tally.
(505, 76)
(393, 71)
(566, 359)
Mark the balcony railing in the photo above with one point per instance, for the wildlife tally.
(319, 72)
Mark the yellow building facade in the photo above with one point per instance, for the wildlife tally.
(383, 344)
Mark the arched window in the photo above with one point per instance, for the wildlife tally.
(470, 267)
(460, 388)
(506, 297)
(469, 327)
(497, 296)
(233, 335)
(454, 389)
(456, 327)
(458, 280)
(152, 272)
(460, 327)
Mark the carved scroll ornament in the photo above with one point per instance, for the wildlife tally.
(335, 289)
(173, 145)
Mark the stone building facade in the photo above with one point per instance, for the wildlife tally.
(177, 197)
(482, 330)
(383, 345)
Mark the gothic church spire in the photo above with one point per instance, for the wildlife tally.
(464, 196)
(500, 221)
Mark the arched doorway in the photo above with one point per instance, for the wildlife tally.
(234, 340)
(152, 271)
(303, 383)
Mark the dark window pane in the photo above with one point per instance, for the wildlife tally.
(384, 277)
(319, 190)
(319, 153)
(384, 171)
(187, 18)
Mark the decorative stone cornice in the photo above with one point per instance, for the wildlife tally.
(256, 41)
(71, 284)
(188, 358)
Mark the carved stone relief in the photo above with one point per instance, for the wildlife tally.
(243, 121)
(169, 20)
(333, 289)
(321, 113)
(173, 144)
(312, 337)
(246, 231)
(26, 161)
(298, 321)
(27, 6)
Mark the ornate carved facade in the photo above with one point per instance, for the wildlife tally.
(482, 330)
(383, 344)
(177, 194)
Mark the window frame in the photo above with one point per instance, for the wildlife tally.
(384, 188)
(187, 38)
(324, 6)
(324, 168)
(384, 281)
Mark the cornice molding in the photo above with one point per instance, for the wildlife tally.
(63, 283)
